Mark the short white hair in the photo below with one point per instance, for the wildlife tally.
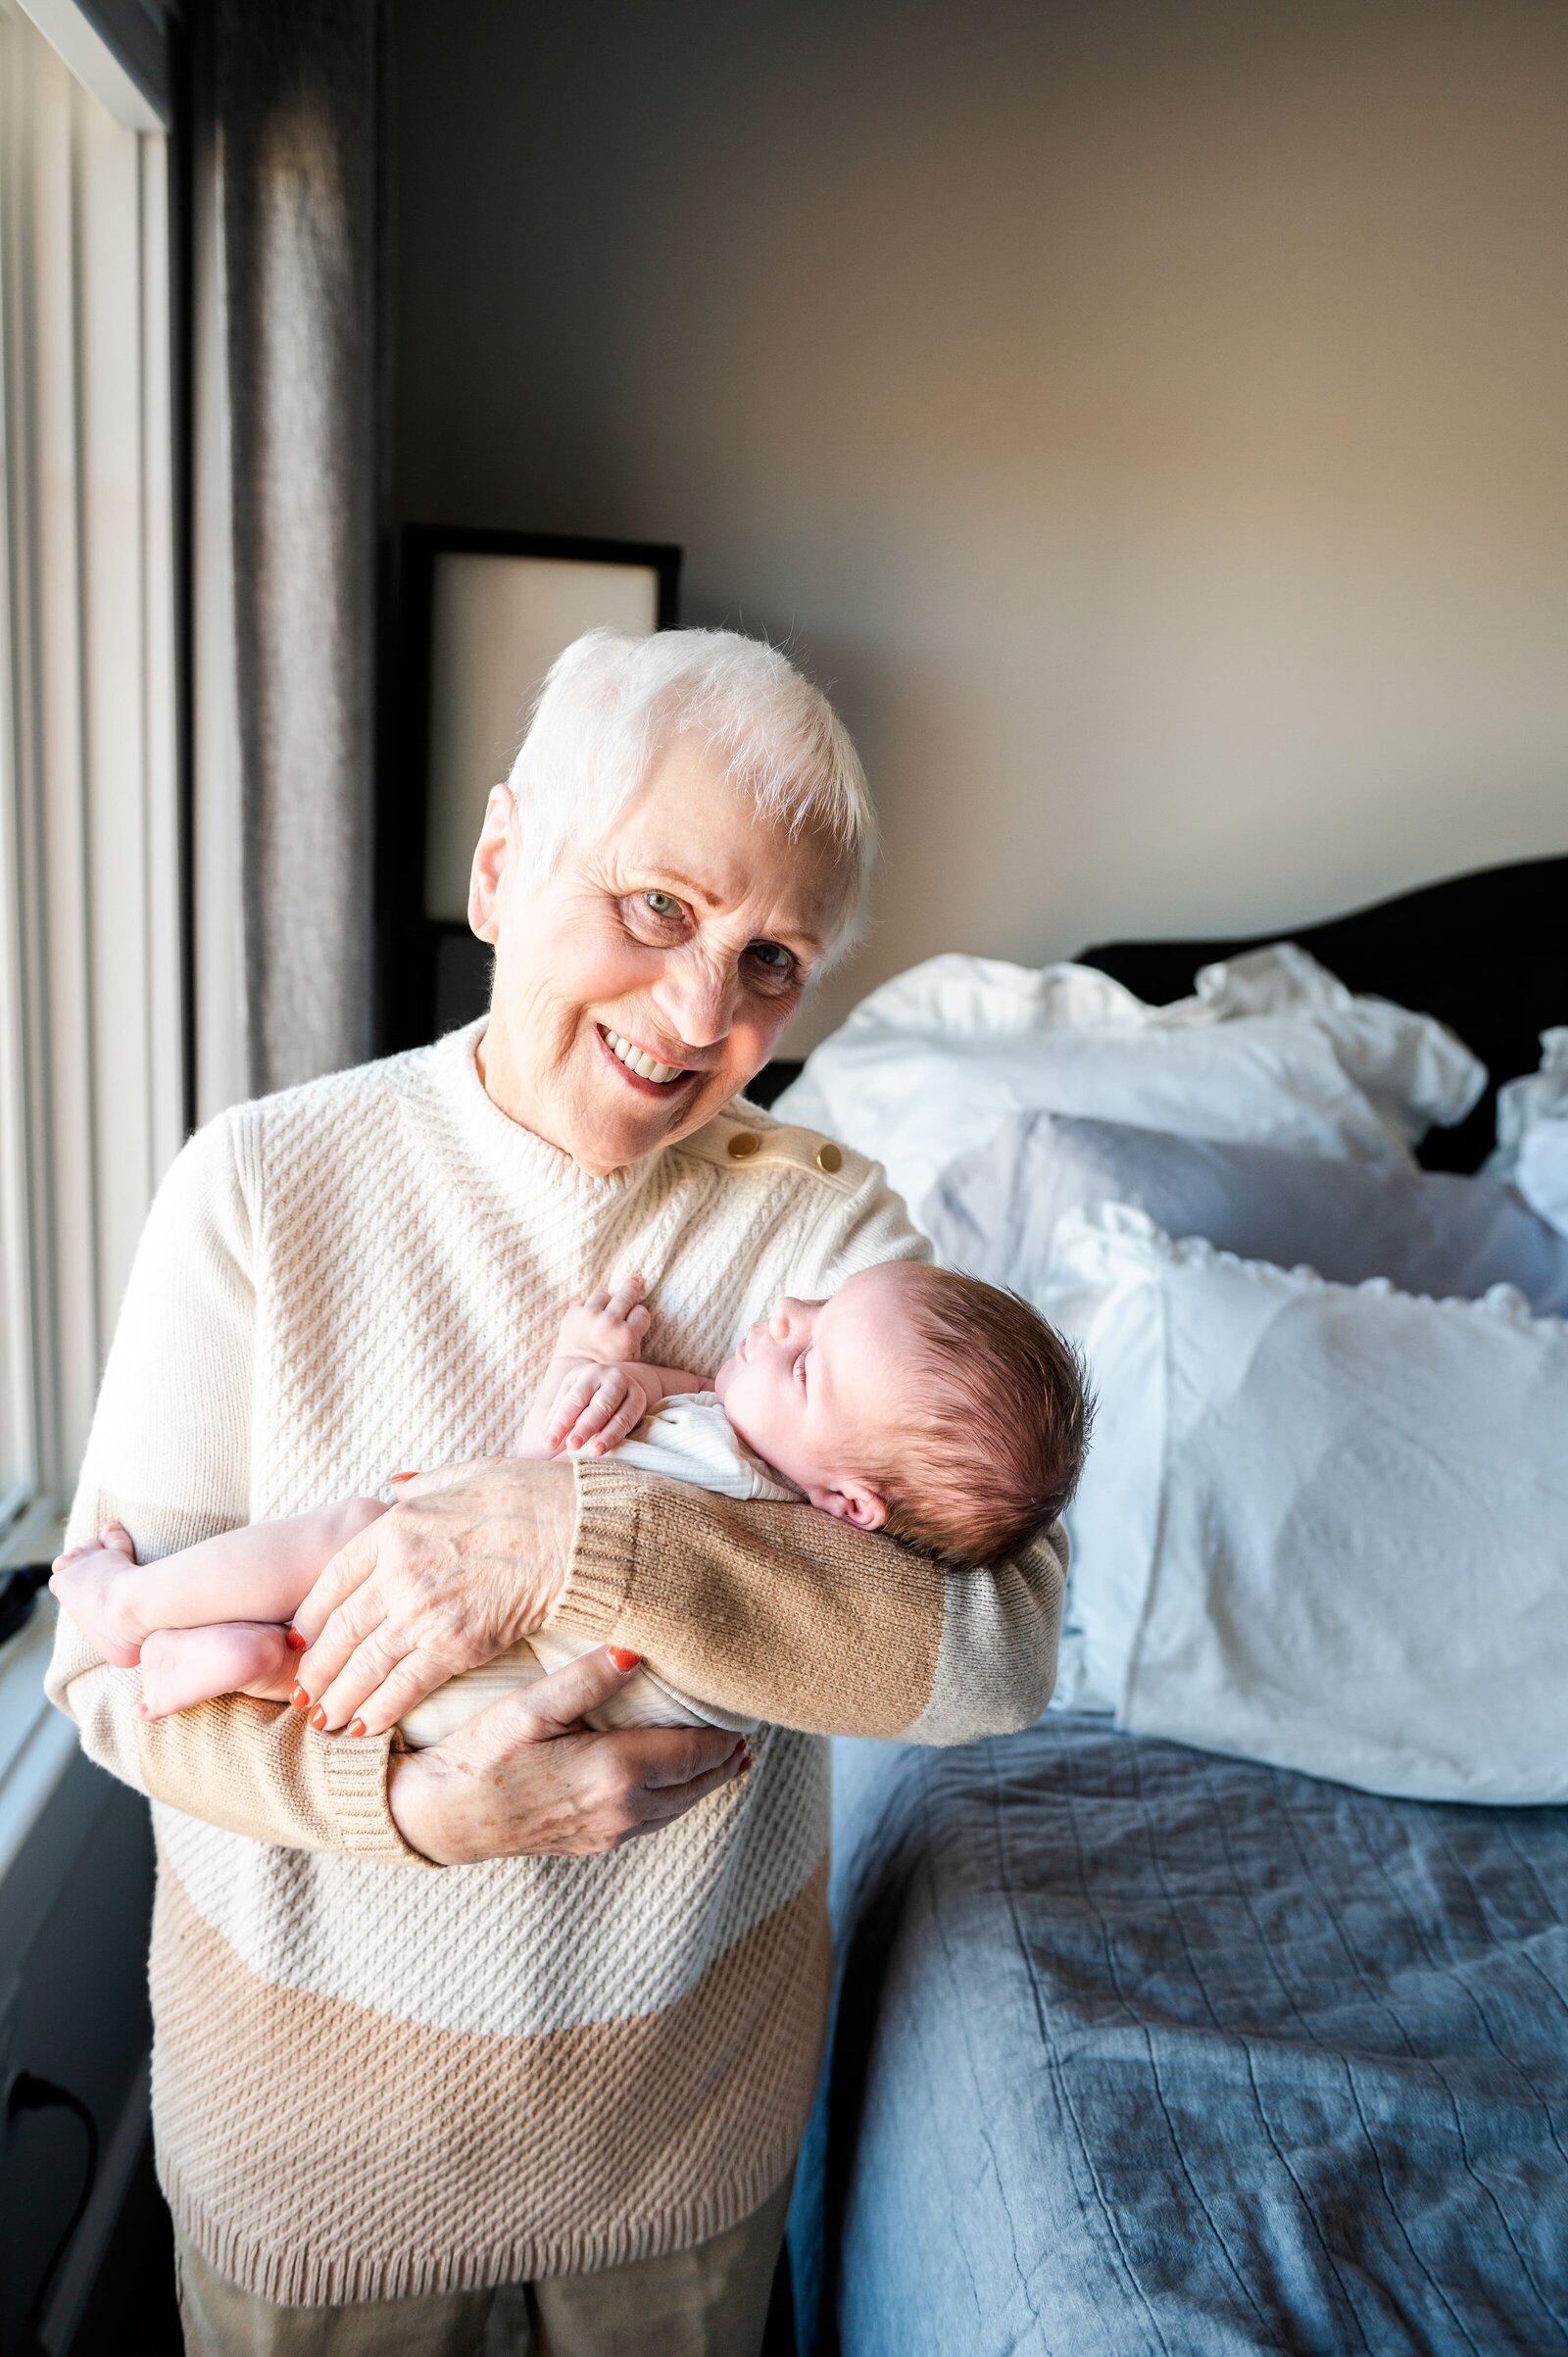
(611, 703)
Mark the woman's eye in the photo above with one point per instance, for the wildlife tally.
(654, 917)
(774, 965)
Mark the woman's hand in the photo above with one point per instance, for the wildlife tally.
(525, 1779)
(467, 1561)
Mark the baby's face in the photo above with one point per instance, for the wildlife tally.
(819, 1389)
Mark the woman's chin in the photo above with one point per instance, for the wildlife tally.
(618, 1130)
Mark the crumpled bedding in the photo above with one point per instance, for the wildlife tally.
(1139, 2049)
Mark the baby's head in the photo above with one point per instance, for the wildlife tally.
(939, 1408)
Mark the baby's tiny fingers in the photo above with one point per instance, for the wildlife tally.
(628, 1292)
(597, 1302)
(570, 1399)
(594, 1416)
(622, 1425)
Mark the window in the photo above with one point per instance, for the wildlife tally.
(91, 1056)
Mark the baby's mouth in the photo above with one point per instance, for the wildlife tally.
(639, 1063)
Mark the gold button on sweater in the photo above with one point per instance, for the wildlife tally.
(374, 2078)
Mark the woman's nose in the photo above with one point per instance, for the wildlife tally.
(697, 999)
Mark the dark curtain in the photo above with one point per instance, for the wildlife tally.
(287, 145)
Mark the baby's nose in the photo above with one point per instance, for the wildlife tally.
(778, 1325)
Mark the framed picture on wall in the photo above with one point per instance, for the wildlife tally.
(482, 616)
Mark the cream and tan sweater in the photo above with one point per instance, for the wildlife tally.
(371, 2076)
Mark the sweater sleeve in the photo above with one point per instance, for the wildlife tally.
(783, 1613)
(167, 1456)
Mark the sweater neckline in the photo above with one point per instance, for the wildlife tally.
(513, 1153)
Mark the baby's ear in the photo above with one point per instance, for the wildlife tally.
(853, 1502)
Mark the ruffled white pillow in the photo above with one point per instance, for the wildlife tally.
(1323, 1525)
(1269, 1048)
(994, 1212)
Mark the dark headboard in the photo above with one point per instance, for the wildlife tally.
(1486, 953)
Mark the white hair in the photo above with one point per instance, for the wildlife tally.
(611, 703)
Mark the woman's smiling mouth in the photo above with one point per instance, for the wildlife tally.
(639, 1066)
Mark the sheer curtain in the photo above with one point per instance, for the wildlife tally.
(287, 155)
(92, 1099)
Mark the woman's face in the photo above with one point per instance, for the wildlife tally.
(644, 982)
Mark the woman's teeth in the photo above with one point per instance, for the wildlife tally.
(636, 1059)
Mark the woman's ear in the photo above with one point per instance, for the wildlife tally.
(490, 856)
(851, 1501)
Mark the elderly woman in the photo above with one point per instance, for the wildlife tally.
(438, 2046)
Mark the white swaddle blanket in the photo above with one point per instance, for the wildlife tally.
(686, 1438)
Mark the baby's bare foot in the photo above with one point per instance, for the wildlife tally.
(180, 1667)
(97, 1586)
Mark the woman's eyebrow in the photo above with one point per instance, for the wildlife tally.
(795, 936)
(699, 892)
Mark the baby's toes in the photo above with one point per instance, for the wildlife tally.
(66, 1563)
(118, 1540)
(159, 1665)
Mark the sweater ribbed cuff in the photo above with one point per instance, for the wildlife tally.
(604, 1553)
(355, 1789)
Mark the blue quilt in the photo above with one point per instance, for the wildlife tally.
(1137, 2050)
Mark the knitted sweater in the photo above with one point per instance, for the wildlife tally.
(533, 2065)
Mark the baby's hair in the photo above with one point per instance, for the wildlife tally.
(995, 1447)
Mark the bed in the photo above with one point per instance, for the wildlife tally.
(1139, 2049)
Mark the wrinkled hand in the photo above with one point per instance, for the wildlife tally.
(608, 1327)
(526, 1779)
(467, 1561)
(594, 1410)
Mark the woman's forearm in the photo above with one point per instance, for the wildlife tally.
(252, 1767)
(785, 1614)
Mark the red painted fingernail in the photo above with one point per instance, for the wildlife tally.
(298, 1696)
(295, 1642)
(746, 1763)
(318, 1718)
(402, 1477)
(622, 1659)
(356, 1726)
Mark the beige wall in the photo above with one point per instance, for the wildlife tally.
(1152, 420)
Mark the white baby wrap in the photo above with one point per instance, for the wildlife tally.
(687, 1439)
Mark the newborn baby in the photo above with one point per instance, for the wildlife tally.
(928, 1404)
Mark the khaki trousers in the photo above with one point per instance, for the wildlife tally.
(709, 2301)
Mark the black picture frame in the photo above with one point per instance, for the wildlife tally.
(433, 974)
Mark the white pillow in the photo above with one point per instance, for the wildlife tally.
(1543, 1173)
(1321, 1525)
(1533, 1133)
(1270, 1049)
(994, 1212)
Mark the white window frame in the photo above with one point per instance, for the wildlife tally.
(92, 1054)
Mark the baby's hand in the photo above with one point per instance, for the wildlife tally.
(608, 1327)
(594, 1409)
